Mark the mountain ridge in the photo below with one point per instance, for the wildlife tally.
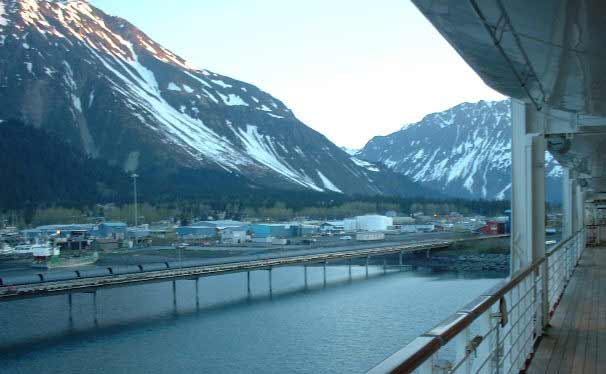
(108, 89)
(464, 151)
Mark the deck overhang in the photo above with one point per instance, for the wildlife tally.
(547, 53)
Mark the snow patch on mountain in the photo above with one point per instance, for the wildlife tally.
(173, 87)
(350, 151)
(366, 165)
(3, 21)
(327, 183)
(465, 150)
(262, 149)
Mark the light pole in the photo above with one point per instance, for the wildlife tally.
(135, 176)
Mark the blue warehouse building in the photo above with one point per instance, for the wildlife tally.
(112, 230)
(275, 230)
(196, 232)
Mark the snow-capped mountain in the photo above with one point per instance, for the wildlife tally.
(350, 151)
(464, 151)
(107, 88)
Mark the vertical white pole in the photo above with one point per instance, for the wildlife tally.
(461, 343)
(528, 187)
(135, 196)
(567, 204)
(580, 216)
(485, 323)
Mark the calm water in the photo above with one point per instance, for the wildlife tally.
(343, 328)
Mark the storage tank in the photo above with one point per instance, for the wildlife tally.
(373, 223)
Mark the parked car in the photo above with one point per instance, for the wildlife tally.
(345, 237)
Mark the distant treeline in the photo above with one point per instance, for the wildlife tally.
(185, 212)
(45, 180)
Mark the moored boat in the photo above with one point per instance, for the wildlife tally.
(47, 256)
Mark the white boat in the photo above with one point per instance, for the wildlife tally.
(6, 249)
(23, 249)
(45, 250)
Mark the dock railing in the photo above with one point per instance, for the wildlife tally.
(498, 332)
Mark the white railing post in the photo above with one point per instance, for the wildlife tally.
(495, 365)
(461, 344)
(528, 324)
(537, 301)
(568, 259)
(545, 302)
(507, 334)
(487, 346)
(427, 367)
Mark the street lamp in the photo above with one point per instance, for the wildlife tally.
(135, 176)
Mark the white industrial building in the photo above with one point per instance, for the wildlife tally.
(371, 222)
(350, 224)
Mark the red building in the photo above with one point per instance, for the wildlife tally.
(493, 228)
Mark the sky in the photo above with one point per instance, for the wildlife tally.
(348, 69)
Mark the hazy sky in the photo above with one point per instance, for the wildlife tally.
(350, 69)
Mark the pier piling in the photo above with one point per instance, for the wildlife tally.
(197, 293)
(95, 307)
(248, 283)
(175, 295)
(69, 303)
(270, 282)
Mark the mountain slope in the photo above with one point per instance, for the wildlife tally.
(112, 92)
(62, 176)
(41, 169)
(464, 151)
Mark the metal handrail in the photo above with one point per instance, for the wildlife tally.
(422, 348)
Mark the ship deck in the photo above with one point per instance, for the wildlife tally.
(576, 340)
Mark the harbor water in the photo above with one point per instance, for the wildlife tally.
(345, 326)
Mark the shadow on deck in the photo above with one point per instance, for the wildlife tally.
(576, 340)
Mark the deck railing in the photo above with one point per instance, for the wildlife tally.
(497, 332)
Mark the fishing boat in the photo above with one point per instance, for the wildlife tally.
(48, 256)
